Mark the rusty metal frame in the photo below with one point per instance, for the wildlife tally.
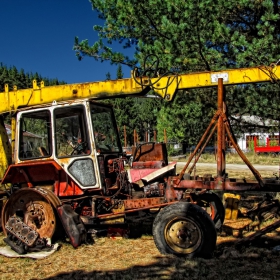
(221, 124)
(177, 186)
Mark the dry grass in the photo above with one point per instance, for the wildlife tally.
(104, 256)
(140, 259)
(242, 173)
(235, 158)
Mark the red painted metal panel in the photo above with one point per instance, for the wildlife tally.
(137, 174)
(36, 173)
(268, 148)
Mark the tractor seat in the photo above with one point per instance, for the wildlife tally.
(43, 151)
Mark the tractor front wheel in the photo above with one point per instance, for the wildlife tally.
(184, 229)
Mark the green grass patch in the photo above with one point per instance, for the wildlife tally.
(234, 158)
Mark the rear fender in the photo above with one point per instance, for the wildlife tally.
(72, 224)
(70, 220)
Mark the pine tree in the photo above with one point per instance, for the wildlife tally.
(119, 72)
(22, 80)
(108, 76)
(4, 78)
(188, 36)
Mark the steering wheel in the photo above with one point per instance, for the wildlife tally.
(79, 148)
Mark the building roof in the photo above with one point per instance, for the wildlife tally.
(255, 120)
(26, 133)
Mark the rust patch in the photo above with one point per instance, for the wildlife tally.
(150, 152)
(142, 203)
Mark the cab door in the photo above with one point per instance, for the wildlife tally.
(72, 142)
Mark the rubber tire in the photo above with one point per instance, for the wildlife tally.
(217, 207)
(196, 215)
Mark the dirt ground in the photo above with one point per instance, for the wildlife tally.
(120, 258)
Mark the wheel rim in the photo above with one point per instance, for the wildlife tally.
(183, 235)
(40, 217)
(33, 209)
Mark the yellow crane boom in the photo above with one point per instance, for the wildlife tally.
(165, 87)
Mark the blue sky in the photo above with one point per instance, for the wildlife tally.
(38, 36)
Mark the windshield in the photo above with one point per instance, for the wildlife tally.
(71, 135)
(105, 129)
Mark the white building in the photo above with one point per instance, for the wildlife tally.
(245, 142)
(30, 140)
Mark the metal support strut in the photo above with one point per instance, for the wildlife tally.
(220, 123)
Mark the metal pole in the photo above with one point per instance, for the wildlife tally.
(220, 135)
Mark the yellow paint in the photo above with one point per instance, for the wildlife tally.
(165, 87)
(5, 150)
(12, 100)
(231, 203)
(13, 135)
(205, 79)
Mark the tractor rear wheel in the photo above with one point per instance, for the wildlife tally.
(184, 229)
(35, 208)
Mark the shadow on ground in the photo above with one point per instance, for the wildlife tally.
(257, 260)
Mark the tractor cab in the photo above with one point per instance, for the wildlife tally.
(67, 146)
